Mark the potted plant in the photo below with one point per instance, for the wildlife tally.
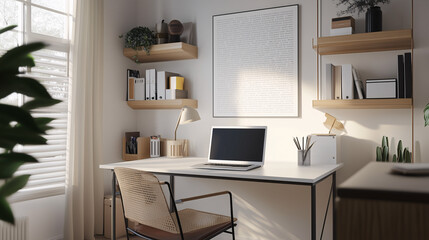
(17, 125)
(139, 38)
(373, 16)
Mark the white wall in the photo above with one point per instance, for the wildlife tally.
(266, 211)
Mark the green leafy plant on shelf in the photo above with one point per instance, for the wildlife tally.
(382, 153)
(17, 125)
(359, 5)
(139, 38)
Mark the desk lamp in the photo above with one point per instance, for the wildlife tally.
(176, 148)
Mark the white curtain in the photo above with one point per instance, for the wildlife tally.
(84, 191)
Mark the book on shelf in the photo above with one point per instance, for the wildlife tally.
(342, 31)
(131, 75)
(139, 89)
(147, 84)
(328, 86)
(408, 75)
(358, 84)
(152, 84)
(400, 76)
(162, 83)
(337, 81)
(347, 83)
(342, 22)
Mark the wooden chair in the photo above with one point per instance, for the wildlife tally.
(144, 202)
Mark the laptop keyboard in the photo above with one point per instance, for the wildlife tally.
(228, 165)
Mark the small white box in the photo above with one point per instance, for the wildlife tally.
(324, 150)
(381, 88)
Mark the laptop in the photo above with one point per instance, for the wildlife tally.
(236, 148)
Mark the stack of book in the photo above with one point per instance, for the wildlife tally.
(342, 26)
(156, 85)
(341, 82)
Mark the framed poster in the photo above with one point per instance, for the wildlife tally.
(255, 63)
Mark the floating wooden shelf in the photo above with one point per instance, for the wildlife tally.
(163, 104)
(401, 103)
(163, 52)
(365, 42)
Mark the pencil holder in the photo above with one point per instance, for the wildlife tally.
(303, 159)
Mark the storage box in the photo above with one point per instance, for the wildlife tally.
(381, 88)
(143, 149)
(176, 94)
(343, 22)
(325, 149)
(120, 224)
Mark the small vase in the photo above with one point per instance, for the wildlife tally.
(373, 19)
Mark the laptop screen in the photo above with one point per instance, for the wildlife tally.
(244, 144)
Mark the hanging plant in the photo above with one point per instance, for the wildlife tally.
(140, 38)
(358, 5)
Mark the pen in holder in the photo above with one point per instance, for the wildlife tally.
(304, 158)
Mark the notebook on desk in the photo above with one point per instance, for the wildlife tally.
(236, 148)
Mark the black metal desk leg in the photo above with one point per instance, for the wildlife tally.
(313, 211)
(334, 206)
(113, 213)
(172, 193)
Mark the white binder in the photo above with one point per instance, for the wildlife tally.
(162, 83)
(152, 74)
(147, 85)
(347, 82)
(139, 89)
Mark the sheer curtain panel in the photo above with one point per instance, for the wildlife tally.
(84, 188)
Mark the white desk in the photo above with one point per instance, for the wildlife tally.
(285, 173)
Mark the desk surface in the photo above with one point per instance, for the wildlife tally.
(376, 181)
(270, 172)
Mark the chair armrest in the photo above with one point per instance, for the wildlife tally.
(203, 196)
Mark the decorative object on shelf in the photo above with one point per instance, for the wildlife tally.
(139, 38)
(176, 148)
(155, 146)
(326, 149)
(342, 26)
(143, 149)
(381, 88)
(426, 115)
(373, 15)
(161, 32)
(303, 150)
(17, 125)
(332, 123)
(175, 29)
(382, 153)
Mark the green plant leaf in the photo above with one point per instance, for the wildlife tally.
(38, 103)
(19, 135)
(399, 150)
(13, 185)
(24, 85)
(5, 211)
(8, 28)
(383, 142)
(407, 156)
(10, 162)
(426, 115)
(42, 123)
(385, 154)
(394, 158)
(378, 154)
(19, 56)
(12, 113)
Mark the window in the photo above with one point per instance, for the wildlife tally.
(48, 21)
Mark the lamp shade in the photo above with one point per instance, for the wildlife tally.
(188, 114)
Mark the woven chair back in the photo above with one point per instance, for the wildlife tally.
(144, 200)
